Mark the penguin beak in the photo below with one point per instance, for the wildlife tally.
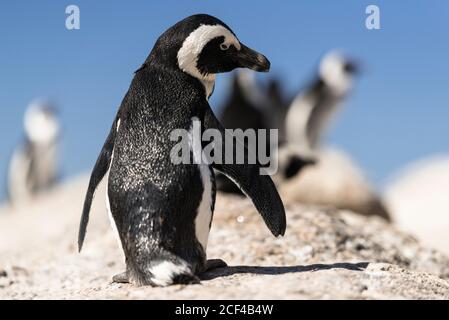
(248, 58)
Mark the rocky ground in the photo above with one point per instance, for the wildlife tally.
(325, 254)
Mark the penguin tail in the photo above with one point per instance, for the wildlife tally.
(165, 273)
(186, 279)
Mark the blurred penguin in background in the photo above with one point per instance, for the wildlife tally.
(245, 104)
(250, 105)
(335, 180)
(312, 110)
(242, 109)
(34, 165)
(277, 107)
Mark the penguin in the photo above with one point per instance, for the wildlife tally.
(163, 210)
(290, 160)
(335, 179)
(311, 111)
(277, 107)
(252, 106)
(242, 109)
(33, 167)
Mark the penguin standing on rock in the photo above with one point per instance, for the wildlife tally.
(34, 166)
(162, 210)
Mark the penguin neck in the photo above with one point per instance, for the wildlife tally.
(207, 82)
(317, 87)
(326, 98)
(319, 90)
(337, 88)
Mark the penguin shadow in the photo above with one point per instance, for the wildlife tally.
(275, 270)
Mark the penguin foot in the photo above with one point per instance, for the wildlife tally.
(121, 278)
(215, 264)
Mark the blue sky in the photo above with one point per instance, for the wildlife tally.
(399, 110)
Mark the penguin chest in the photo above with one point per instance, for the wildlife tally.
(204, 212)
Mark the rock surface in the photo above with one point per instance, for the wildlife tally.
(325, 254)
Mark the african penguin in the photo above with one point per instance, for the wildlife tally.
(277, 107)
(334, 180)
(242, 109)
(250, 105)
(289, 158)
(163, 210)
(33, 167)
(310, 112)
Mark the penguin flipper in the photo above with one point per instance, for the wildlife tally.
(260, 188)
(98, 173)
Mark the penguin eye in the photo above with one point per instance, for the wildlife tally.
(224, 46)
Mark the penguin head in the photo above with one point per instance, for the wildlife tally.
(41, 123)
(202, 46)
(337, 71)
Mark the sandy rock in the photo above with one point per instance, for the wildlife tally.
(325, 254)
(322, 235)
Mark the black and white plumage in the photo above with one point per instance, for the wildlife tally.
(250, 105)
(277, 108)
(34, 165)
(311, 111)
(335, 180)
(243, 108)
(163, 211)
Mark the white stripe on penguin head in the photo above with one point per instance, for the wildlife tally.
(193, 45)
